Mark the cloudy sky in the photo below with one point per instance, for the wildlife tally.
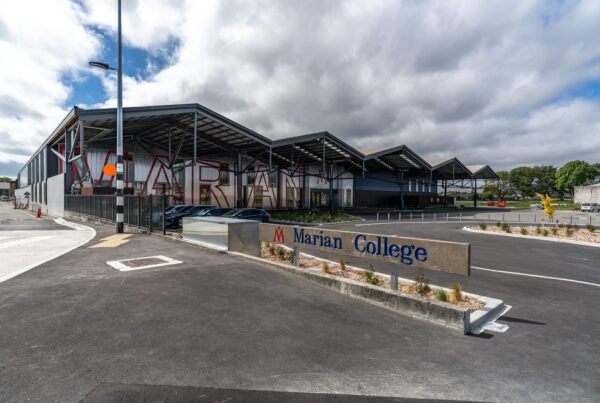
(501, 82)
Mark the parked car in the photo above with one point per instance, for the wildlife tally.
(536, 206)
(590, 207)
(4, 198)
(249, 214)
(173, 219)
(207, 211)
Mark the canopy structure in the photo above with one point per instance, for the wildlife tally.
(449, 169)
(482, 172)
(316, 148)
(399, 158)
(188, 131)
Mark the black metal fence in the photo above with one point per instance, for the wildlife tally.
(145, 212)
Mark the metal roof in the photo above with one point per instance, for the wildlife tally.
(482, 172)
(322, 147)
(399, 158)
(153, 125)
(450, 168)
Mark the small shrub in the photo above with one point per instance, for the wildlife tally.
(524, 231)
(483, 227)
(506, 228)
(561, 226)
(443, 296)
(498, 224)
(457, 292)
(590, 228)
(325, 268)
(342, 265)
(538, 231)
(570, 232)
(545, 232)
(422, 283)
(370, 276)
(281, 253)
(271, 248)
(554, 231)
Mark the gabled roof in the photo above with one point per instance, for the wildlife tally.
(482, 172)
(399, 158)
(315, 148)
(451, 168)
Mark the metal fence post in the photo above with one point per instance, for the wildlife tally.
(388, 216)
(377, 216)
(150, 211)
(503, 220)
(411, 216)
(399, 216)
(571, 221)
(434, 217)
(394, 278)
(519, 217)
(296, 256)
(139, 209)
(422, 216)
(590, 219)
(460, 216)
(489, 217)
(162, 219)
(447, 217)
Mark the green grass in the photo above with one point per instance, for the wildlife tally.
(311, 217)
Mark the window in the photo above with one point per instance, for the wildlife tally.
(224, 174)
(205, 195)
(348, 197)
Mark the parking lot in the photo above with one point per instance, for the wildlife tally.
(74, 324)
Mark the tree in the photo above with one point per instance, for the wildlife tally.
(575, 173)
(547, 205)
(521, 179)
(5, 179)
(544, 179)
(499, 189)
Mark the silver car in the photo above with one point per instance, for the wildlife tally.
(590, 207)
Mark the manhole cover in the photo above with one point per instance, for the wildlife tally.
(142, 263)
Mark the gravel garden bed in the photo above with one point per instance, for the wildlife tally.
(280, 254)
(559, 231)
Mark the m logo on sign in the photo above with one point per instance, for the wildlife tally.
(279, 238)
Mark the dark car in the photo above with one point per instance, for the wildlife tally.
(217, 212)
(173, 219)
(249, 214)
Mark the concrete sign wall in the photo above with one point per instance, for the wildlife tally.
(449, 257)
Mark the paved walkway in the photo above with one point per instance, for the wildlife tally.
(27, 241)
(221, 321)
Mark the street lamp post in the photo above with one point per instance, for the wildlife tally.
(120, 184)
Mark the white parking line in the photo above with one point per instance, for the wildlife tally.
(514, 273)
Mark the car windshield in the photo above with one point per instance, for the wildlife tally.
(231, 213)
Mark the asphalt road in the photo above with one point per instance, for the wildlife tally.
(74, 324)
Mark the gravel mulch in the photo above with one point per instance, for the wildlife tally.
(278, 254)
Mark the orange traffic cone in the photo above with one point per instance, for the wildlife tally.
(39, 213)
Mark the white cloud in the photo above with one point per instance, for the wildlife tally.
(485, 81)
(37, 51)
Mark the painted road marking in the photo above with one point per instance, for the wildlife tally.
(19, 242)
(112, 241)
(514, 273)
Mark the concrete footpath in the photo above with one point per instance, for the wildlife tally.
(27, 241)
(75, 327)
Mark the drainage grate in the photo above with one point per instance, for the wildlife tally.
(142, 263)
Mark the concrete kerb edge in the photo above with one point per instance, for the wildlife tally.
(537, 238)
(435, 312)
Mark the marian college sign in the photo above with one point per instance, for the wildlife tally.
(450, 257)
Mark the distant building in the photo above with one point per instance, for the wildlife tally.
(587, 194)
